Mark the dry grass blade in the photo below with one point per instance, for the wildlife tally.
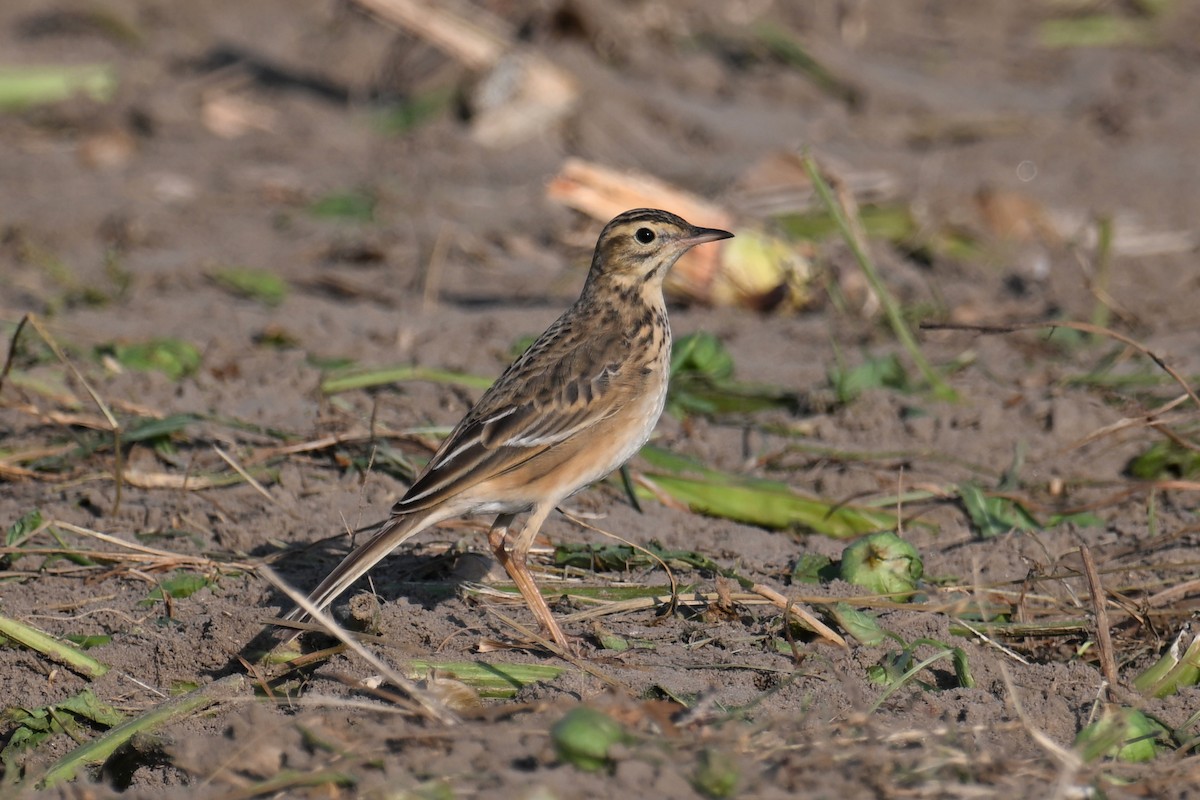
(10, 472)
(12, 351)
(425, 703)
(64, 418)
(1082, 327)
(258, 487)
(1149, 419)
(145, 479)
(654, 557)
(141, 552)
(977, 633)
(845, 212)
(109, 418)
(1173, 593)
(550, 646)
(818, 627)
(475, 46)
(1104, 644)
(761, 595)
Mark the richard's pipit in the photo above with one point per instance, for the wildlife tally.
(576, 405)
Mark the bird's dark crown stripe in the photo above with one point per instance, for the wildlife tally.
(646, 215)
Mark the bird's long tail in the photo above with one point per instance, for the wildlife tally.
(394, 533)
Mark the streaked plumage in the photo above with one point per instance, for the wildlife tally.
(573, 407)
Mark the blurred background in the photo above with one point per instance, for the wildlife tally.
(346, 147)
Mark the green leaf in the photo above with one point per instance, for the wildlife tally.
(147, 429)
(87, 642)
(99, 749)
(1179, 666)
(584, 737)
(894, 223)
(260, 285)
(611, 641)
(1096, 30)
(1165, 460)
(859, 624)
(23, 528)
(87, 706)
(622, 557)
(887, 301)
(900, 667)
(173, 357)
(702, 382)
(813, 568)
(277, 337)
(150, 430)
(180, 586)
(875, 373)
(701, 353)
(354, 206)
(1082, 519)
(31, 727)
(1125, 734)
(769, 504)
(489, 680)
(717, 774)
(962, 670)
(25, 86)
(417, 110)
(993, 516)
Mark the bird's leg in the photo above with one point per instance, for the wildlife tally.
(498, 534)
(516, 566)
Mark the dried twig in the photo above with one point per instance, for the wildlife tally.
(258, 487)
(112, 425)
(1108, 662)
(1083, 327)
(818, 627)
(425, 703)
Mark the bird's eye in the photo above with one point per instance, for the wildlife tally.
(644, 235)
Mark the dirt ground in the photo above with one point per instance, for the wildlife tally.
(231, 120)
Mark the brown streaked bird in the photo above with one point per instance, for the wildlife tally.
(580, 402)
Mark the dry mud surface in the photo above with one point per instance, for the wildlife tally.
(142, 200)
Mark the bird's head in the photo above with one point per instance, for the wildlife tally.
(637, 248)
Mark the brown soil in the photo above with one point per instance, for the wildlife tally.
(953, 100)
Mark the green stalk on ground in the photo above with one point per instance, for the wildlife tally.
(891, 309)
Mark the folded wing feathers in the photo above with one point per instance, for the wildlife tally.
(543, 420)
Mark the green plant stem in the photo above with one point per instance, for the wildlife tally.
(891, 308)
(383, 377)
(904, 679)
(50, 647)
(99, 749)
(1100, 283)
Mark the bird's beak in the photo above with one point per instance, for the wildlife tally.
(702, 235)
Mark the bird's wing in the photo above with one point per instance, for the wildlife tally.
(564, 384)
